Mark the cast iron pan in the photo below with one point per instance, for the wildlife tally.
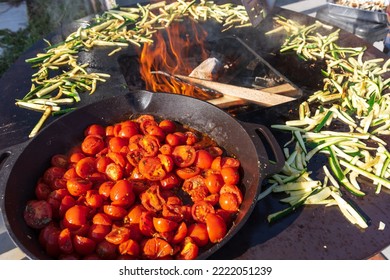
(26, 162)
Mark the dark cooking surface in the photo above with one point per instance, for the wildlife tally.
(312, 233)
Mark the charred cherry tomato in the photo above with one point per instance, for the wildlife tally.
(187, 172)
(38, 213)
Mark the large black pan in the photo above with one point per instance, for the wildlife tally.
(26, 162)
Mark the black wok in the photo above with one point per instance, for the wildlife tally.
(26, 162)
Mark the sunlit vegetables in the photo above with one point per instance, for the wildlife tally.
(343, 121)
(116, 29)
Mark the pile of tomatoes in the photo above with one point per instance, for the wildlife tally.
(139, 189)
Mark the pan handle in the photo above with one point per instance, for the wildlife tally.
(8, 157)
(265, 143)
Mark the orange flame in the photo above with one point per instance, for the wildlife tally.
(180, 53)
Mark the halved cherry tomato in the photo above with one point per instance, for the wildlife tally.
(189, 249)
(175, 139)
(42, 191)
(65, 241)
(230, 198)
(114, 171)
(166, 149)
(76, 156)
(198, 232)
(134, 214)
(129, 247)
(95, 129)
(151, 168)
(203, 159)
(118, 158)
(180, 233)
(98, 232)
(60, 160)
(76, 217)
(53, 173)
(115, 212)
(118, 235)
(122, 193)
(200, 209)
(146, 223)
(156, 131)
(184, 155)
(92, 144)
(230, 175)
(94, 199)
(196, 188)
(83, 245)
(86, 167)
(102, 219)
(115, 144)
(168, 126)
(156, 248)
(187, 172)
(170, 181)
(128, 131)
(191, 138)
(106, 250)
(105, 188)
(216, 227)
(214, 182)
(78, 186)
(152, 199)
(150, 145)
(164, 225)
(167, 162)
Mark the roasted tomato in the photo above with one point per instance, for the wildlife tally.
(38, 213)
(216, 227)
(184, 155)
(137, 189)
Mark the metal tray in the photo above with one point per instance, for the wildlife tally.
(358, 14)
